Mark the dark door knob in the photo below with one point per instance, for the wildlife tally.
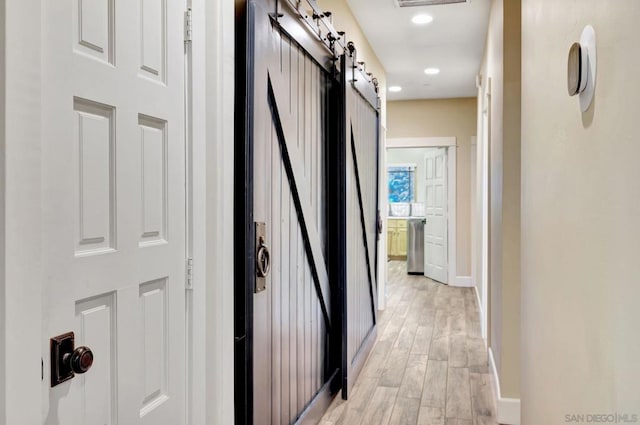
(67, 359)
(80, 360)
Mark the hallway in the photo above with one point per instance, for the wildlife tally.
(429, 365)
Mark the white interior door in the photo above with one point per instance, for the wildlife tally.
(113, 169)
(435, 231)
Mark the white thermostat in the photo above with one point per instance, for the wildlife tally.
(581, 68)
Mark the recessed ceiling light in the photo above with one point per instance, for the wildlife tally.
(395, 89)
(422, 19)
(432, 71)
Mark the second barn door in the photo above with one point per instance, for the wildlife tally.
(359, 94)
(291, 320)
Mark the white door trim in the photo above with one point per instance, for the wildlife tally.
(451, 144)
(484, 204)
(473, 155)
(213, 175)
(480, 205)
(452, 216)
(421, 142)
(3, 303)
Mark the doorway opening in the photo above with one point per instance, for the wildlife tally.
(420, 177)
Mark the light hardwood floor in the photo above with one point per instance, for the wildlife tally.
(429, 365)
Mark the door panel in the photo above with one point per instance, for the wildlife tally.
(435, 232)
(98, 330)
(361, 203)
(114, 208)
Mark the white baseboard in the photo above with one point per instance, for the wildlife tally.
(462, 282)
(508, 409)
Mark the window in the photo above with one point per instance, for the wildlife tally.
(401, 179)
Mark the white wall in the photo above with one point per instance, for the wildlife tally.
(581, 210)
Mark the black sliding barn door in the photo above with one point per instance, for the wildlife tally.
(360, 166)
(288, 329)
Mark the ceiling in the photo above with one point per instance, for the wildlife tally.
(453, 42)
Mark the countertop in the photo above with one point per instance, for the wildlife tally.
(404, 218)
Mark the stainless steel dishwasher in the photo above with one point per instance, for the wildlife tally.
(415, 245)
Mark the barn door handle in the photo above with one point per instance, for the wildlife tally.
(263, 259)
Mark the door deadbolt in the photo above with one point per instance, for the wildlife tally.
(263, 257)
(67, 360)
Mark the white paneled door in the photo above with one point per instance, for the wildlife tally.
(113, 172)
(435, 231)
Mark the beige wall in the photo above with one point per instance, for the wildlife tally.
(501, 66)
(343, 20)
(511, 193)
(442, 118)
(581, 210)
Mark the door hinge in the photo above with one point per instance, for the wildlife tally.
(189, 274)
(188, 26)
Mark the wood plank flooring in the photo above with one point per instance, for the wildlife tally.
(429, 365)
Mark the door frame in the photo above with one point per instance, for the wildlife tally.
(480, 205)
(484, 160)
(210, 126)
(21, 209)
(210, 366)
(450, 143)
